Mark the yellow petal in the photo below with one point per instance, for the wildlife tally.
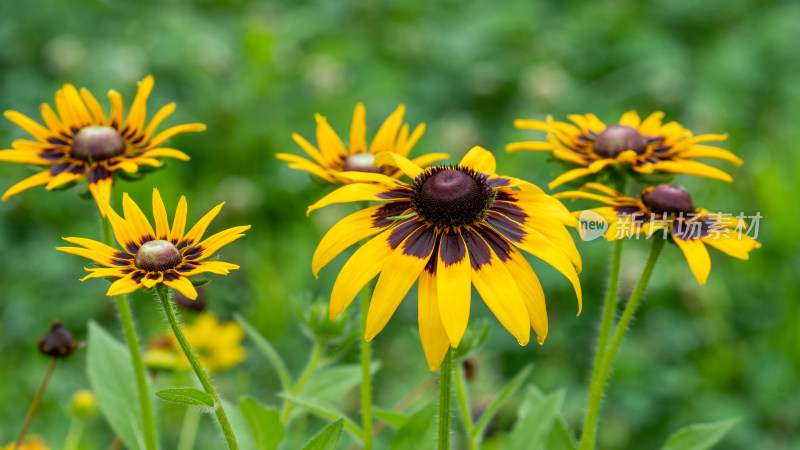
(123, 286)
(159, 117)
(529, 145)
(34, 180)
(630, 119)
(182, 285)
(136, 218)
(405, 148)
(692, 168)
(358, 130)
(33, 128)
(161, 137)
(310, 150)
(351, 193)
(479, 159)
(165, 152)
(394, 160)
(101, 191)
(179, 221)
(531, 291)
(329, 142)
(705, 151)
(365, 263)
(345, 233)
(399, 273)
(431, 331)
(697, 256)
(453, 285)
(213, 243)
(98, 114)
(429, 158)
(569, 176)
(22, 156)
(138, 111)
(196, 233)
(385, 137)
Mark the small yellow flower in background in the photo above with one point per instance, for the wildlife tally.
(151, 256)
(670, 208)
(84, 403)
(334, 157)
(82, 142)
(646, 146)
(30, 443)
(453, 227)
(217, 344)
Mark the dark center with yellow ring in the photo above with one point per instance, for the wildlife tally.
(157, 256)
(361, 162)
(668, 199)
(616, 139)
(97, 143)
(451, 196)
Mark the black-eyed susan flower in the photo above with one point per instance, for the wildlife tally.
(218, 345)
(670, 208)
(333, 157)
(453, 227)
(645, 146)
(80, 141)
(150, 256)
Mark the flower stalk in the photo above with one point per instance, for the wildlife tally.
(194, 361)
(37, 400)
(366, 373)
(602, 371)
(445, 392)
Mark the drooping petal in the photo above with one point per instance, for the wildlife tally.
(32, 181)
(697, 256)
(569, 176)
(394, 160)
(399, 273)
(352, 193)
(452, 273)
(431, 331)
(531, 291)
(182, 285)
(124, 285)
(365, 263)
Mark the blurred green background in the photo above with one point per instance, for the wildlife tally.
(255, 72)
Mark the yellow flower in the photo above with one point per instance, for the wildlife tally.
(670, 208)
(151, 256)
(82, 142)
(646, 146)
(84, 403)
(333, 157)
(30, 443)
(217, 344)
(453, 227)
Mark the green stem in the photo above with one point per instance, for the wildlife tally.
(602, 372)
(313, 361)
(191, 421)
(74, 434)
(445, 391)
(126, 319)
(37, 399)
(463, 403)
(194, 361)
(366, 373)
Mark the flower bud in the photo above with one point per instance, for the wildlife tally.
(84, 403)
(58, 343)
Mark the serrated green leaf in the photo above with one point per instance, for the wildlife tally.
(512, 386)
(187, 396)
(699, 436)
(536, 418)
(561, 437)
(392, 418)
(418, 431)
(326, 411)
(108, 365)
(327, 438)
(265, 424)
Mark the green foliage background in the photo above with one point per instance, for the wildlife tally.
(255, 72)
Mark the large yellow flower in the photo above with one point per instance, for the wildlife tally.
(645, 146)
(217, 344)
(453, 227)
(334, 157)
(670, 208)
(82, 142)
(151, 256)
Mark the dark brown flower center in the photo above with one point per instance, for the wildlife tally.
(451, 196)
(361, 162)
(668, 199)
(157, 256)
(97, 143)
(616, 139)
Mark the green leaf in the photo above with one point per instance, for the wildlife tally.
(418, 431)
(264, 423)
(536, 419)
(327, 438)
(240, 427)
(331, 383)
(699, 436)
(110, 371)
(187, 396)
(512, 386)
(392, 418)
(326, 411)
(268, 350)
